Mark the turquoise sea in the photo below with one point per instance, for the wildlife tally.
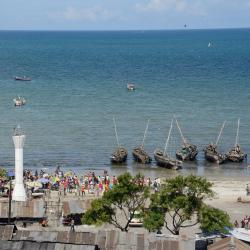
(79, 82)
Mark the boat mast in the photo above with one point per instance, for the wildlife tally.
(145, 133)
(116, 135)
(222, 127)
(237, 133)
(182, 136)
(169, 132)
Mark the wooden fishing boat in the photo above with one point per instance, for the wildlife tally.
(211, 151)
(236, 154)
(187, 151)
(120, 154)
(139, 154)
(163, 159)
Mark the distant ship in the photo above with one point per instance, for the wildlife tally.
(139, 154)
(209, 45)
(211, 152)
(22, 78)
(236, 154)
(121, 153)
(130, 86)
(164, 160)
(19, 101)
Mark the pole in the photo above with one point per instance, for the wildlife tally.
(237, 133)
(179, 128)
(223, 125)
(169, 132)
(145, 133)
(9, 215)
(116, 135)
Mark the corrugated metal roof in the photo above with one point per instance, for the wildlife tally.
(76, 206)
(229, 242)
(27, 209)
(6, 232)
(27, 245)
(105, 240)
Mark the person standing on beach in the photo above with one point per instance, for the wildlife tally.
(83, 189)
(72, 225)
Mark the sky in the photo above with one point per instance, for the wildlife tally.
(123, 14)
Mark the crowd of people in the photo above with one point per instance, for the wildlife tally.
(80, 185)
(244, 223)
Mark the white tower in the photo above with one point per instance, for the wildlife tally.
(19, 191)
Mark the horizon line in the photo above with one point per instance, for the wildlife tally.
(120, 30)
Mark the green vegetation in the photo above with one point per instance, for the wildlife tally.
(3, 173)
(180, 203)
(119, 205)
(214, 220)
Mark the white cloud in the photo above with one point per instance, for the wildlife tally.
(92, 14)
(183, 6)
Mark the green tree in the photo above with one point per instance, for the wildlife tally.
(214, 220)
(119, 205)
(3, 173)
(178, 203)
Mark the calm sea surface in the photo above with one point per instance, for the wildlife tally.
(79, 82)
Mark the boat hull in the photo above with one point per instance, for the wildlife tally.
(187, 153)
(119, 156)
(212, 155)
(166, 162)
(18, 78)
(236, 155)
(141, 156)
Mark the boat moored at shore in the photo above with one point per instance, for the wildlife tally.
(187, 151)
(211, 151)
(139, 154)
(163, 159)
(119, 156)
(121, 153)
(236, 154)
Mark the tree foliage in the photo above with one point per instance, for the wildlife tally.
(3, 173)
(119, 204)
(177, 203)
(214, 220)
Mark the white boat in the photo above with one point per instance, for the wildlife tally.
(19, 101)
(130, 86)
(22, 78)
(209, 45)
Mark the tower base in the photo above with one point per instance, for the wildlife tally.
(19, 193)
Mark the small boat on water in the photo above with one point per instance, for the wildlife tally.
(121, 153)
(236, 154)
(187, 152)
(22, 78)
(19, 101)
(130, 86)
(139, 154)
(119, 156)
(163, 159)
(211, 151)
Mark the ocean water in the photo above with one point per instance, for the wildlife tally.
(79, 83)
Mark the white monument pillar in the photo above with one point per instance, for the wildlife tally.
(19, 191)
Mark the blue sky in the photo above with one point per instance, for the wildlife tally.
(122, 14)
